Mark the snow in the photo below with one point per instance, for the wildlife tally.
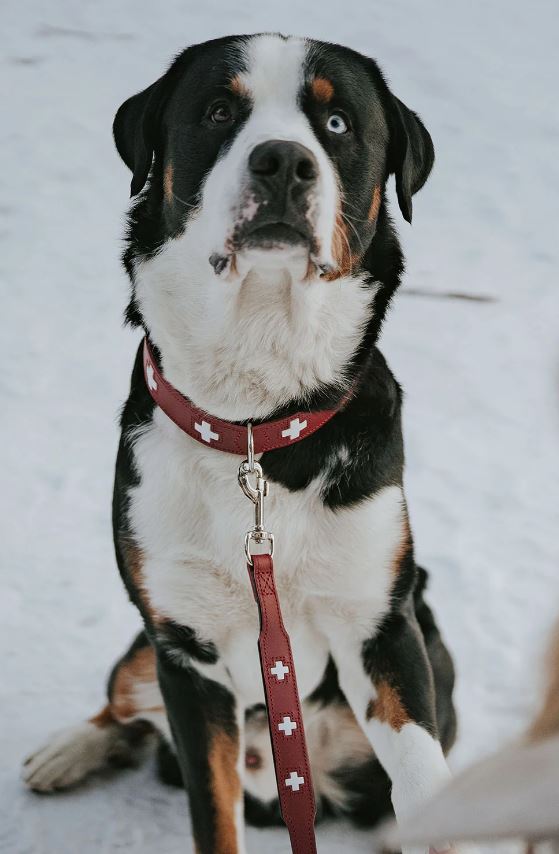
(481, 416)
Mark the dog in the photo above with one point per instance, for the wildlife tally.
(262, 260)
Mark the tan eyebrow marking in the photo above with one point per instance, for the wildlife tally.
(322, 89)
(239, 87)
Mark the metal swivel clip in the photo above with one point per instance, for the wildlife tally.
(256, 490)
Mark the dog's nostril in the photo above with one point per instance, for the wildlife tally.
(265, 164)
(284, 162)
(305, 169)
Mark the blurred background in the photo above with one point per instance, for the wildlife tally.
(472, 336)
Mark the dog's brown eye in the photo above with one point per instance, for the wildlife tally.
(220, 113)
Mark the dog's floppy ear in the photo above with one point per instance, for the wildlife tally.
(136, 130)
(410, 154)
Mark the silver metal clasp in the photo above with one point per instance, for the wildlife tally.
(255, 487)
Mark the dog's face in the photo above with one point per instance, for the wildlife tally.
(261, 158)
(279, 148)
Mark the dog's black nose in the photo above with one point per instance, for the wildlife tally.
(278, 163)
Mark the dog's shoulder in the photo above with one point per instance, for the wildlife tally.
(359, 452)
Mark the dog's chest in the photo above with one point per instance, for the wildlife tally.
(189, 517)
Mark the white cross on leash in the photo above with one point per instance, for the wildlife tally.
(294, 781)
(279, 670)
(294, 430)
(205, 431)
(151, 378)
(287, 726)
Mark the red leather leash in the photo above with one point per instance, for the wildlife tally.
(285, 721)
(293, 773)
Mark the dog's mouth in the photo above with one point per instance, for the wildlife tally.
(275, 235)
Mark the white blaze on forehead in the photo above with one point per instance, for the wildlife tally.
(274, 78)
(275, 70)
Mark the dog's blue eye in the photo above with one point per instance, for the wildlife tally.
(336, 124)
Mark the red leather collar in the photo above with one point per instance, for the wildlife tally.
(226, 435)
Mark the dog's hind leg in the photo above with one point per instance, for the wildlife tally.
(112, 737)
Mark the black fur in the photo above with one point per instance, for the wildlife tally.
(369, 432)
(173, 637)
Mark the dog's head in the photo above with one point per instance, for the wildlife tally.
(263, 157)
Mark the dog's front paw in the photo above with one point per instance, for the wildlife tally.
(70, 756)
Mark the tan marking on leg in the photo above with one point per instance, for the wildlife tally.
(226, 789)
(239, 87)
(375, 204)
(387, 707)
(134, 563)
(322, 90)
(138, 671)
(168, 182)
(546, 723)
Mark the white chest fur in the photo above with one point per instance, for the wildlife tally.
(189, 517)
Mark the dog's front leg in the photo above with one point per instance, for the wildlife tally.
(207, 727)
(388, 682)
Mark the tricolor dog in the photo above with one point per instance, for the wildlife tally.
(262, 260)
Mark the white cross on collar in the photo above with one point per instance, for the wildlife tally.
(294, 782)
(295, 429)
(287, 726)
(205, 431)
(279, 670)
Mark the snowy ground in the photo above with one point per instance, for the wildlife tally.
(481, 417)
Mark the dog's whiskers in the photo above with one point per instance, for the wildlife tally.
(347, 221)
(182, 201)
(341, 231)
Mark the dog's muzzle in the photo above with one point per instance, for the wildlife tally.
(282, 179)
